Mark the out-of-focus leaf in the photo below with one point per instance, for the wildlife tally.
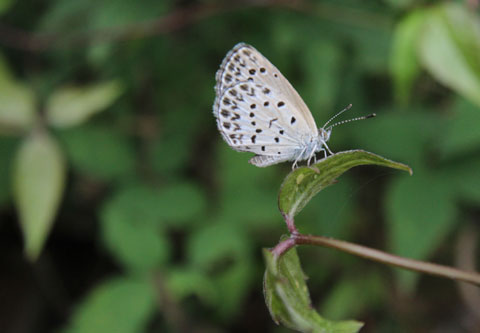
(251, 203)
(402, 135)
(7, 153)
(120, 13)
(232, 164)
(99, 151)
(130, 230)
(91, 15)
(179, 203)
(288, 298)
(330, 212)
(400, 4)
(464, 177)
(6, 75)
(353, 295)
(372, 45)
(222, 252)
(404, 65)
(322, 62)
(449, 48)
(71, 106)
(420, 212)
(183, 283)
(138, 204)
(5, 5)
(170, 154)
(170, 205)
(209, 245)
(462, 134)
(253, 208)
(303, 183)
(39, 180)
(17, 103)
(118, 305)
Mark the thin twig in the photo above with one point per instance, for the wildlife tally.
(376, 255)
(181, 18)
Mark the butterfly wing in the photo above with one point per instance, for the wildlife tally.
(245, 63)
(257, 109)
(250, 118)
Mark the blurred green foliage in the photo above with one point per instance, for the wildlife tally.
(106, 123)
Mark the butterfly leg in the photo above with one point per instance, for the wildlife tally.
(331, 153)
(294, 165)
(312, 155)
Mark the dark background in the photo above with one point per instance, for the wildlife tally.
(158, 225)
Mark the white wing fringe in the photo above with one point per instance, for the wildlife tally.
(263, 161)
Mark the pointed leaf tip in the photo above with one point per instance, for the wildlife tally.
(304, 183)
(72, 106)
(39, 179)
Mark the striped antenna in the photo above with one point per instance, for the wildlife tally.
(349, 120)
(335, 116)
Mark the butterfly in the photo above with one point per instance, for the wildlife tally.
(257, 110)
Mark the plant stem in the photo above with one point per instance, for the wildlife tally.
(290, 224)
(376, 255)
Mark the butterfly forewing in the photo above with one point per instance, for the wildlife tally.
(245, 63)
(258, 111)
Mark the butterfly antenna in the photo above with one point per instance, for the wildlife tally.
(335, 116)
(349, 120)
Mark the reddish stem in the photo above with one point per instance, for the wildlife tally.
(289, 220)
(376, 255)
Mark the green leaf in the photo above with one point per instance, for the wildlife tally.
(449, 48)
(39, 180)
(322, 71)
(331, 212)
(404, 65)
(403, 135)
(99, 151)
(71, 106)
(7, 153)
(288, 298)
(118, 305)
(222, 251)
(354, 295)
(183, 283)
(421, 212)
(303, 183)
(180, 203)
(465, 178)
(462, 135)
(18, 103)
(88, 15)
(131, 229)
(5, 5)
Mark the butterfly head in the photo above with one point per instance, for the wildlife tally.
(324, 135)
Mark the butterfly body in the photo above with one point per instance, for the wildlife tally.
(257, 110)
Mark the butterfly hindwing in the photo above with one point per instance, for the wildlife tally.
(251, 118)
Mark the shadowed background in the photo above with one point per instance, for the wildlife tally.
(122, 210)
